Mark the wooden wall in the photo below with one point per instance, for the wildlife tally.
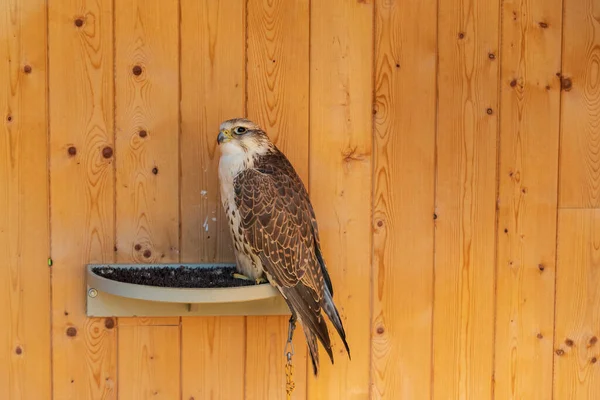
(451, 149)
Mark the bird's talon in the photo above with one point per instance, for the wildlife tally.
(260, 280)
(240, 276)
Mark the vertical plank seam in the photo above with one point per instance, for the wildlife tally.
(497, 197)
(435, 179)
(374, 54)
(307, 363)
(114, 188)
(179, 185)
(49, 197)
(558, 177)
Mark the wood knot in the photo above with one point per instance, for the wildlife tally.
(461, 35)
(71, 331)
(27, 69)
(566, 84)
(593, 340)
(560, 352)
(594, 360)
(380, 223)
(19, 350)
(147, 253)
(352, 154)
(107, 152)
(137, 70)
(541, 267)
(489, 111)
(513, 83)
(109, 323)
(543, 25)
(137, 247)
(72, 150)
(540, 336)
(569, 342)
(143, 133)
(79, 22)
(380, 330)
(491, 56)
(155, 171)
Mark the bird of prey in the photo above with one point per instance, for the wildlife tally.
(274, 230)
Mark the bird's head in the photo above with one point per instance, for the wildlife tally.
(242, 136)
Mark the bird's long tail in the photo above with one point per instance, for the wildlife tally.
(334, 316)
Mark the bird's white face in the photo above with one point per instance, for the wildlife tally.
(243, 138)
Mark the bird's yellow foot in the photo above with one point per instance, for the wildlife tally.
(258, 281)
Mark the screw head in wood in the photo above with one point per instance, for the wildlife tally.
(92, 293)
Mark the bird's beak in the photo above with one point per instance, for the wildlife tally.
(224, 136)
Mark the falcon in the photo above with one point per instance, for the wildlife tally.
(274, 230)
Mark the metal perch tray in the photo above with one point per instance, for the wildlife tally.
(111, 298)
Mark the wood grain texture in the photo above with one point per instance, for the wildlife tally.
(147, 100)
(25, 370)
(277, 99)
(405, 51)
(465, 199)
(341, 94)
(149, 364)
(82, 192)
(580, 108)
(265, 361)
(213, 352)
(147, 179)
(577, 350)
(528, 176)
(212, 90)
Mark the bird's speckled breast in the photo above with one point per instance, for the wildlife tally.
(247, 263)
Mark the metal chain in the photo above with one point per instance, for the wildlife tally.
(289, 368)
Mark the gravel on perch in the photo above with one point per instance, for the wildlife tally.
(181, 277)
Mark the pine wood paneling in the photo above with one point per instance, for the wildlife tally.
(149, 362)
(82, 192)
(147, 179)
(528, 176)
(341, 74)
(403, 199)
(212, 90)
(463, 335)
(277, 71)
(580, 108)
(24, 220)
(577, 351)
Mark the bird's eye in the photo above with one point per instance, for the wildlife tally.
(240, 130)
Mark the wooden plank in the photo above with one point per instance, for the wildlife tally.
(212, 90)
(465, 199)
(528, 176)
(341, 65)
(580, 108)
(148, 362)
(25, 371)
(277, 99)
(147, 179)
(405, 51)
(82, 192)
(577, 351)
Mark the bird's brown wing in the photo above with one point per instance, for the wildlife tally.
(277, 222)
